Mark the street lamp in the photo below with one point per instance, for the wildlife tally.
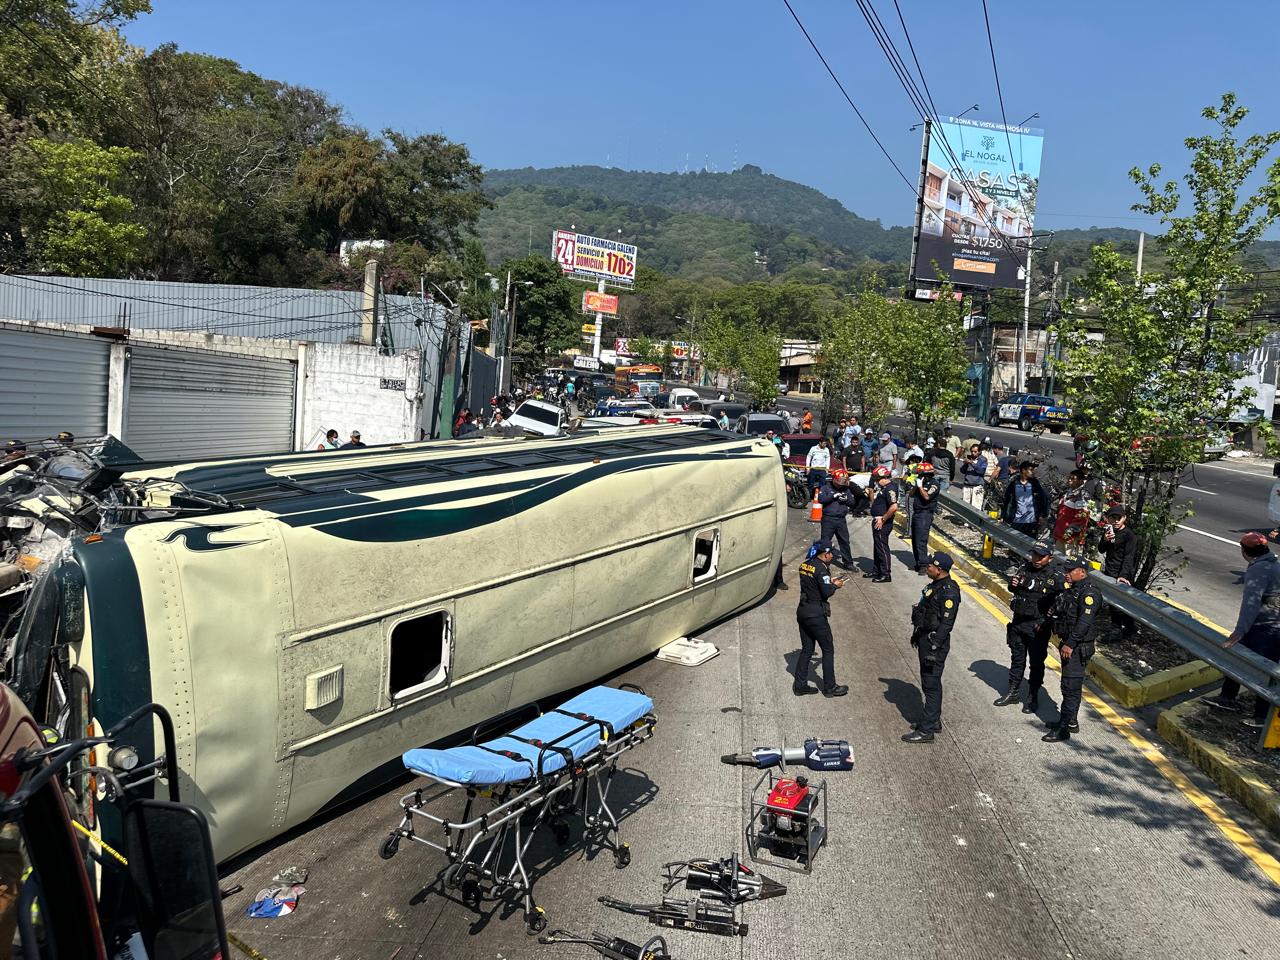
(917, 126)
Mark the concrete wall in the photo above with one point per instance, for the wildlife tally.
(345, 390)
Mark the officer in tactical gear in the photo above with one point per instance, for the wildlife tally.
(1034, 588)
(924, 498)
(1076, 621)
(884, 504)
(931, 622)
(814, 618)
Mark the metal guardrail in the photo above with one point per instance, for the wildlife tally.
(1259, 674)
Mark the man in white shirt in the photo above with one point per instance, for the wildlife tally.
(887, 456)
(818, 460)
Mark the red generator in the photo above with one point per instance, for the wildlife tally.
(788, 821)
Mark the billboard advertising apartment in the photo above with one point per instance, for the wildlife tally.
(978, 199)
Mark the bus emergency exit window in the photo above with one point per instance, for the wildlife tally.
(418, 648)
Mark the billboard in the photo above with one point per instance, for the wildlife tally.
(680, 349)
(593, 302)
(594, 258)
(977, 200)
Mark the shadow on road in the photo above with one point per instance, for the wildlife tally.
(905, 697)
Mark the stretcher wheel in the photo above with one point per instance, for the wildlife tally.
(536, 922)
(622, 857)
(389, 846)
(471, 893)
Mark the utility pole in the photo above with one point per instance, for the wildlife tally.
(1142, 242)
(369, 306)
(1026, 327)
(449, 374)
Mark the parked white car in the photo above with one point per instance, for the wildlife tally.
(537, 416)
(681, 396)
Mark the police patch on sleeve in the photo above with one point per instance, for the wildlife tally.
(949, 604)
(1088, 601)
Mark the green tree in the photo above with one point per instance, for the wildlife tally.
(1165, 368)
(855, 342)
(928, 358)
(645, 349)
(546, 322)
(80, 224)
(760, 355)
(721, 343)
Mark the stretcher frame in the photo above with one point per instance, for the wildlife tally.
(477, 846)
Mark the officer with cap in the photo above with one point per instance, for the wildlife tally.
(931, 622)
(1258, 624)
(884, 504)
(924, 498)
(1034, 588)
(814, 618)
(835, 496)
(1076, 613)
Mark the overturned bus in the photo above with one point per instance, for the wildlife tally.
(308, 617)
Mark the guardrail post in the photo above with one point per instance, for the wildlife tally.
(989, 545)
(1269, 739)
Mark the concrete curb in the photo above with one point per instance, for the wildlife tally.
(1159, 686)
(1262, 800)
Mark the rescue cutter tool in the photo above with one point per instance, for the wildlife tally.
(815, 754)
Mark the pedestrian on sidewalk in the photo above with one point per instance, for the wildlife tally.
(1071, 522)
(951, 441)
(924, 499)
(1258, 625)
(1026, 505)
(1077, 623)
(1119, 549)
(330, 441)
(806, 420)
(354, 443)
(931, 621)
(884, 504)
(887, 453)
(813, 615)
(944, 464)
(1034, 587)
(835, 499)
(971, 479)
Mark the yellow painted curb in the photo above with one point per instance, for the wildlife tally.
(1226, 772)
(1161, 685)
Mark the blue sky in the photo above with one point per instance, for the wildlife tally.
(669, 85)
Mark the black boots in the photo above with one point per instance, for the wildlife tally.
(1033, 701)
(1012, 696)
(1057, 734)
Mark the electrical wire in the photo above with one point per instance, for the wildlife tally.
(1000, 96)
(847, 98)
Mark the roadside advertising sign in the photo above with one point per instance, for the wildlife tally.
(586, 363)
(680, 350)
(590, 327)
(594, 258)
(977, 203)
(593, 302)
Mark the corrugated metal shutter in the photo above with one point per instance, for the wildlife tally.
(186, 404)
(50, 383)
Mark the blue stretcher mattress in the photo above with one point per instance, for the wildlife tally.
(473, 765)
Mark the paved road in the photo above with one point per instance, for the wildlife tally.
(1229, 499)
(988, 844)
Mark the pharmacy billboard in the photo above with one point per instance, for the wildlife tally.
(977, 205)
(594, 258)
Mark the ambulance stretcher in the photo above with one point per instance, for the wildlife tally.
(558, 763)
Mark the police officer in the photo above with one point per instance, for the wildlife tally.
(1034, 586)
(814, 617)
(835, 497)
(884, 504)
(931, 622)
(924, 498)
(1076, 613)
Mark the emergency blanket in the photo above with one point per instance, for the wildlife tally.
(575, 727)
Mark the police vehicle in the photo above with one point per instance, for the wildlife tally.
(1028, 410)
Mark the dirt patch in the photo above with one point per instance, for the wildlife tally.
(1223, 729)
(1138, 656)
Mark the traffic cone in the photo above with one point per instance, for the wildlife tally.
(815, 509)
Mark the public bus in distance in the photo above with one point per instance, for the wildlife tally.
(641, 379)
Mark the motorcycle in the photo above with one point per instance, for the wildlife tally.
(797, 487)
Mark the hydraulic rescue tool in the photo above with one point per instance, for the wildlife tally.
(615, 948)
(815, 754)
(720, 886)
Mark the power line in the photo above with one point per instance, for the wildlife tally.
(1017, 183)
(847, 98)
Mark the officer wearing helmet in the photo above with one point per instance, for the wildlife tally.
(836, 498)
(813, 616)
(924, 499)
(884, 504)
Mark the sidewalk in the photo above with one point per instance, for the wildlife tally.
(985, 844)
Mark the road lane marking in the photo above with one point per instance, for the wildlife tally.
(1235, 833)
(1206, 533)
(1198, 490)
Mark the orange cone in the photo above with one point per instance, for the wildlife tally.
(815, 509)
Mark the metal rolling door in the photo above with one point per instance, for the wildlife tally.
(50, 383)
(188, 404)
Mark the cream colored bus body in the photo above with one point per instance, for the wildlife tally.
(552, 572)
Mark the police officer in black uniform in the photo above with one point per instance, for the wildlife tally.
(1034, 586)
(884, 504)
(834, 496)
(813, 615)
(931, 622)
(924, 498)
(1076, 613)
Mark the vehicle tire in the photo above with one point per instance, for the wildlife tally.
(1055, 429)
(994, 419)
(1024, 424)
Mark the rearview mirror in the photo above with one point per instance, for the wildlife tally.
(175, 879)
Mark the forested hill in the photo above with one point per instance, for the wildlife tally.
(747, 195)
